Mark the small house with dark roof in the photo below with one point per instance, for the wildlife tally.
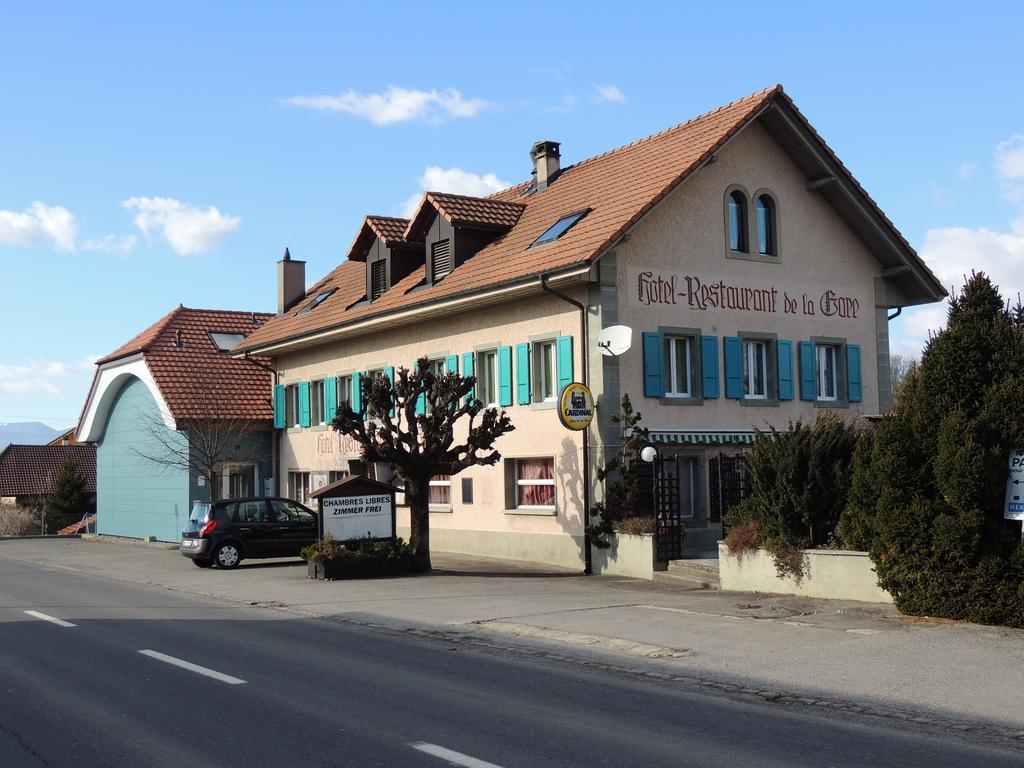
(28, 472)
(755, 274)
(176, 388)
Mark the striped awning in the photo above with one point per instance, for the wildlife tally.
(703, 436)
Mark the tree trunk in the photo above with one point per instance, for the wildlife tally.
(416, 494)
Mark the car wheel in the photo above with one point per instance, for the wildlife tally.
(227, 556)
(202, 562)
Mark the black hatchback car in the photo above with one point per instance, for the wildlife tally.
(223, 533)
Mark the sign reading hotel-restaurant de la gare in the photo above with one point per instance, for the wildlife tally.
(664, 288)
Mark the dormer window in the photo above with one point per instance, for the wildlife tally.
(316, 302)
(560, 227)
(440, 259)
(378, 279)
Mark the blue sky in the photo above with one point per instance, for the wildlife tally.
(152, 155)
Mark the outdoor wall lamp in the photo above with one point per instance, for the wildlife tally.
(649, 453)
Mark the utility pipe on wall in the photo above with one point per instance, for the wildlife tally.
(585, 358)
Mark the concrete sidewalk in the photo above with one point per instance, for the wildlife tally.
(845, 656)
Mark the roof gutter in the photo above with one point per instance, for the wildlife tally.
(442, 307)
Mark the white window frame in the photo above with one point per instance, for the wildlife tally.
(750, 369)
(299, 493)
(544, 390)
(345, 391)
(821, 352)
(291, 406)
(670, 351)
(317, 404)
(435, 483)
(487, 376)
(531, 483)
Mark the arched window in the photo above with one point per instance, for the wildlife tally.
(737, 218)
(766, 229)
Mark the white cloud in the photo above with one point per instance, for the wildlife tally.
(456, 181)
(41, 376)
(396, 105)
(1009, 163)
(610, 93)
(111, 243)
(39, 224)
(186, 227)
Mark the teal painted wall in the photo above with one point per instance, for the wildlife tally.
(134, 496)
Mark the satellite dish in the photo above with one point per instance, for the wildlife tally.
(614, 340)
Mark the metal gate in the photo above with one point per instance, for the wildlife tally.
(729, 482)
(659, 490)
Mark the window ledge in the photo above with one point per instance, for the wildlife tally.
(318, 428)
(754, 402)
(544, 406)
(743, 256)
(291, 430)
(535, 511)
(830, 403)
(666, 400)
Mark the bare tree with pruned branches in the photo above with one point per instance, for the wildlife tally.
(410, 424)
(206, 436)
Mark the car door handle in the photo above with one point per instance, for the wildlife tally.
(244, 530)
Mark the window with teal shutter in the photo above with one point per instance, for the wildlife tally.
(523, 374)
(654, 384)
(504, 376)
(709, 366)
(808, 372)
(304, 404)
(467, 371)
(330, 398)
(357, 392)
(389, 371)
(785, 369)
(564, 361)
(421, 398)
(853, 377)
(733, 367)
(279, 406)
(451, 364)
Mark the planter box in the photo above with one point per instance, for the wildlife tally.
(630, 555)
(835, 574)
(330, 570)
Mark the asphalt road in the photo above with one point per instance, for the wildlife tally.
(148, 677)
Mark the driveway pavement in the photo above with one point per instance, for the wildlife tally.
(845, 656)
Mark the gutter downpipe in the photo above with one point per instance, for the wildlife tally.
(897, 313)
(584, 357)
(276, 458)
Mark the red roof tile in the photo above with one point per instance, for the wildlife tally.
(389, 229)
(30, 470)
(462, 210)
(195, 379)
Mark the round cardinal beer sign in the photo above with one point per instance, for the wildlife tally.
(575, 406)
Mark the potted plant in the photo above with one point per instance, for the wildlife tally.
(357, 559)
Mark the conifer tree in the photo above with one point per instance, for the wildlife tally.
(70, 500)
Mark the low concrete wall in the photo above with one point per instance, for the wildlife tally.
(630, 555)
(836, 574)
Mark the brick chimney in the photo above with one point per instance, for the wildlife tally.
(291, 282)
(545, 156)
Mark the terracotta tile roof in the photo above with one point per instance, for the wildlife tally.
(389, 229)
(30, 470)
(618, 187)
(462, 210)
(195, 379)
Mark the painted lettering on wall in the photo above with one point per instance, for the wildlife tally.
(661, 289)
(330, 443)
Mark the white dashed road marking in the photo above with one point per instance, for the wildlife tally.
(453, 758)
(193, 667)
(51, 619)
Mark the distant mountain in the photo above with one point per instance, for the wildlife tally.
(26, 433)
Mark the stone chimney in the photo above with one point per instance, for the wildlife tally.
(291, 282)
(545, 158)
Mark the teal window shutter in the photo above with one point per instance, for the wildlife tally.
(279, 406)
(654, 384)
(564, 354)
(709, 366)
(451, 364)
(523, 374)
(853, 379)
(389, 371)
(808, 372)
(733, 367)
(785, 368)
(330, 398)
(467, 371)
(303, 403)
(357, 392)
(504, 376)
(421, 398)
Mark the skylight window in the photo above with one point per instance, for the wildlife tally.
(560, 227)
(316, 302)
(225, 342)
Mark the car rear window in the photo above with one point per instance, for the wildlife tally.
(200, 512)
